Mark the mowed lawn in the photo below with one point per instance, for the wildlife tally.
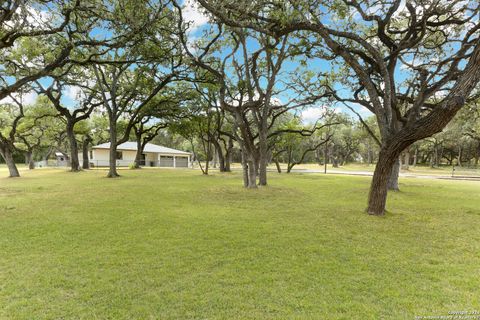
(166, 244)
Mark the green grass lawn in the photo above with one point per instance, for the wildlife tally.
(166, 244)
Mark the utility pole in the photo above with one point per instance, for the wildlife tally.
(325, 157)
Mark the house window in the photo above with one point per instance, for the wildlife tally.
(119, 155)
(91, 154)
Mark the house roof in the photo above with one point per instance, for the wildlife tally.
(149, 147)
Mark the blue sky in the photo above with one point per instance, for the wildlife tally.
(199, 22)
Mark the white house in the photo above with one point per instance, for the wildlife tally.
(62, 159)
(153, 156)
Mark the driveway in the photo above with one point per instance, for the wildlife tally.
(402, 174)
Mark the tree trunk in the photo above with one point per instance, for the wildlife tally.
(415, 157)
(369, 155)
(335, 162)
(207, 163)
(439, 157)
(262, 163)
(48, 153)
(424, 127)
(29, 160)
(214, 158)
(227, 167)
(74, 162)
(434, 160)
(244, 170)
(228, 160)
(8, 157)
(112, 170)
(221, 161)
(459, 156)
(249, 170)
(228, 155)
(138, 155)
(425, 157)
(477, 153)
(86, 160)
(31, 163)
(406, 160)
(450, 161)
(263, 156)
(220, 156)
(325, 158)
(317, 157)
(393, 179)
(277, 164)
(252, 174)
(208, 153)
(378, 189)
(290, 167)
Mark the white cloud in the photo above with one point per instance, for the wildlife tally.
(372, 10)
(364, 110)
(38, 18)
(191, 43)
(28, 17)
(402, 8)
(27, 98)
(193, 15)
(275, 101)
(357, 107)
(377, 10)
(312, 114)
(73, 92)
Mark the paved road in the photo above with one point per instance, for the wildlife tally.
(369, 173)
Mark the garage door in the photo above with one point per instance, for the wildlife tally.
(181, 162)
(166, 161)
